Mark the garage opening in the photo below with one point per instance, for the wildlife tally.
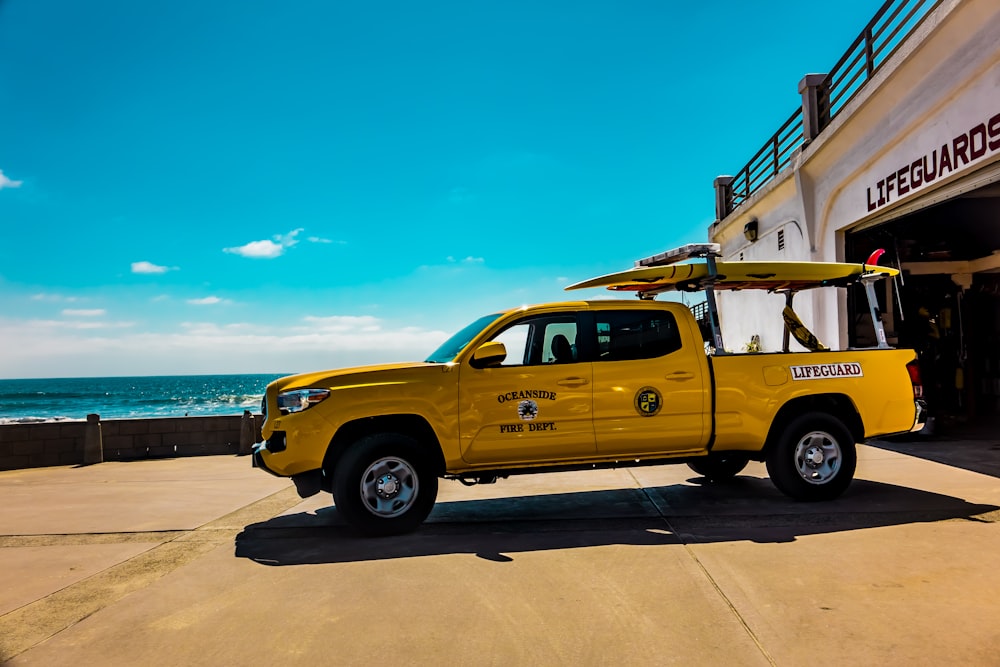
(945, 305)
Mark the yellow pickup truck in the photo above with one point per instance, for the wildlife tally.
(585, 384)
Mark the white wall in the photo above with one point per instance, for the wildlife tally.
(941, 87)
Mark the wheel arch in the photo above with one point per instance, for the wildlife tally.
(412, 425)
(836, 405)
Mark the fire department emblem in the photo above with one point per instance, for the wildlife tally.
(527, 410)
(648, 401)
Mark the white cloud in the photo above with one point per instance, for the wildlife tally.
(288, 240)
(93, 312)
(214, 329)
(266, 249)
(207, 301)
(202, 328)
(75, 325)
(240, 326)
(149, 267)
(53, 298)
(8, 183)
(468, 260)
(257, 250)
(340, 323)
(58, 349)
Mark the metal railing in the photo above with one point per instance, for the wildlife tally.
(768, 161)
(700, 312)
(891, 25)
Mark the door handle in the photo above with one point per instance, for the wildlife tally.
(573, 382)
(680, 376)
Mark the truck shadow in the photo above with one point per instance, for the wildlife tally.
(745, 509)
(979, 454)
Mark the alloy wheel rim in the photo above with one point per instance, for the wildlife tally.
(818, 457)
(389, 487)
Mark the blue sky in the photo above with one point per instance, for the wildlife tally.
(245, 186)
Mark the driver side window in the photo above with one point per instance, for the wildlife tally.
(543, 339)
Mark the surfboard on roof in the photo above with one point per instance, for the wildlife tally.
(773, 276)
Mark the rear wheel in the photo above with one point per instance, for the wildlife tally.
(814, 458)
(720, 466)
(384, 484)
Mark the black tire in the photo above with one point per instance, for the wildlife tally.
(720, 466)
(384, 484)
(814, 458)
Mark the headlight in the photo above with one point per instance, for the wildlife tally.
(297, 400)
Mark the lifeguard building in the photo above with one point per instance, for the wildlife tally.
(896, 147)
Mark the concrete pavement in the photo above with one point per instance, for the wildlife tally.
(206, 561)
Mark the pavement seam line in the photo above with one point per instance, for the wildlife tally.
(38, 621)
(706, 573)
(76, 539)
(729, 603)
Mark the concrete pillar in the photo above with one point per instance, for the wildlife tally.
(248, 433)
(93, 443)
(723, 196)
(815, 105)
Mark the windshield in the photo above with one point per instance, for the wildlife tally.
(451, 347)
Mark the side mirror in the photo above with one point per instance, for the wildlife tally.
(489, 354)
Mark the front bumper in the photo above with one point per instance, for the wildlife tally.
(307, 483)
(258, 458)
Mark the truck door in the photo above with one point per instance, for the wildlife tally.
(536, 405)
(650, 393)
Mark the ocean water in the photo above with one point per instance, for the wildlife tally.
(28, 401)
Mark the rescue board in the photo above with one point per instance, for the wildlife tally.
(772, 276)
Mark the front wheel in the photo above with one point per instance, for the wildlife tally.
(384, 484)
(814, 458)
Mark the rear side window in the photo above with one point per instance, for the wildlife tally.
(623, 335)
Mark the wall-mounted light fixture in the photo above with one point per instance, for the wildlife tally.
(750, 230)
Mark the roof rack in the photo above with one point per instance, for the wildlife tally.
(653, 275)
(706, 251)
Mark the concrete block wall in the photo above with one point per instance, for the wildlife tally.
(39, 445)
(62, 443)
